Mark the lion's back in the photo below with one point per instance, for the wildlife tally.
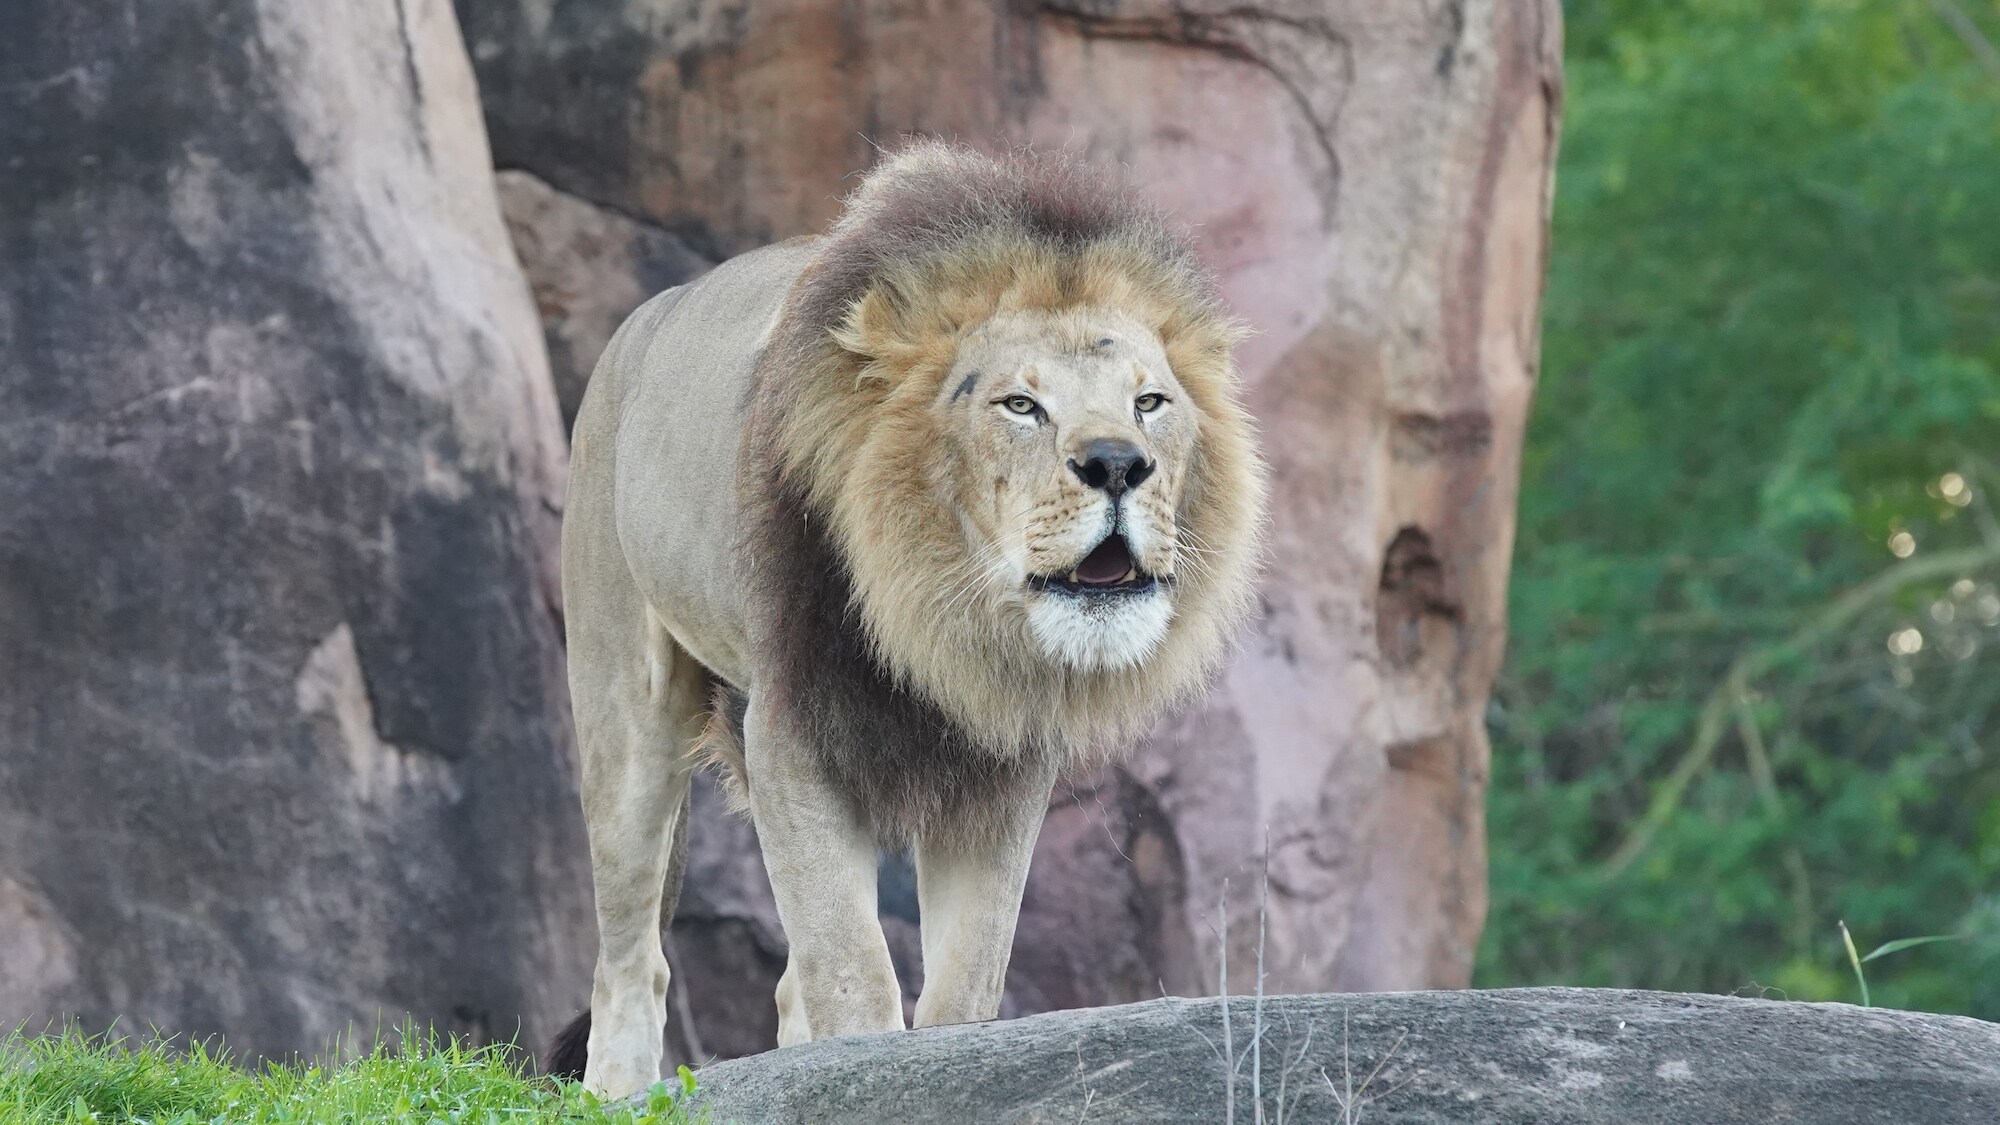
(667, 401)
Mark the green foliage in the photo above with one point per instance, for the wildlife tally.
(1759, 475)
(73, 1080)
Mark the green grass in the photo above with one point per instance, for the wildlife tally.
(71, 1079)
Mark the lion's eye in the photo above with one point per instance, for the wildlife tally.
(1149, 403)
(1020, 404)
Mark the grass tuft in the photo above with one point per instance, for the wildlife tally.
(73, 1079)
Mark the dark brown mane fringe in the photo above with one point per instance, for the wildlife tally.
(903, 764)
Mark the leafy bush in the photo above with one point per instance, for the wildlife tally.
(1754, 667)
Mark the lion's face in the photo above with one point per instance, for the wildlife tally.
(1032, 455)
(1069, 438)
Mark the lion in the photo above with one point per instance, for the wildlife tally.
(897, 525)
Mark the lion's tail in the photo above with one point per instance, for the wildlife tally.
(720, 746)
(569, 1050)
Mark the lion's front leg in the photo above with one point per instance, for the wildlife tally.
(821, 859)
(969, 896)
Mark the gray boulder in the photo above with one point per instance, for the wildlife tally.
(284, 746)
(1536, 1055)
(589, 267)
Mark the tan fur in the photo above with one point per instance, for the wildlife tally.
(796, 487)
(863, 430)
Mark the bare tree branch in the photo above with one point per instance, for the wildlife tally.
(1722, 702)
(1961, 22)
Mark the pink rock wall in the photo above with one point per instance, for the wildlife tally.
(1372, 181)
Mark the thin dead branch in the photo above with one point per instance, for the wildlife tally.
(1735, 686)
(1968, 31)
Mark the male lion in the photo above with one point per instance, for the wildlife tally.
(898, 525)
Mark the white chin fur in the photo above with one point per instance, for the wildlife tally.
(1100, 634)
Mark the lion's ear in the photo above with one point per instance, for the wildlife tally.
(892, 337)
(868, 329)
(883, 321)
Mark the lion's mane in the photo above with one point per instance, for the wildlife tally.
(914, 708)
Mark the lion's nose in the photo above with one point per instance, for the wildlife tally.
(1114, 466)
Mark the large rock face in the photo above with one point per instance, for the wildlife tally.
(1516, 1057)
(1371, 181)
(589, 267)
(284, 748)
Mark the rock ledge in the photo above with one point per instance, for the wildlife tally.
(1541, 1055)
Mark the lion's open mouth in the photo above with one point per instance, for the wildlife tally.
(1107, 569)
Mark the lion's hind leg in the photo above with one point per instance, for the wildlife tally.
(640, 701)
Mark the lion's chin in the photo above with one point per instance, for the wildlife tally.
(1093, 632)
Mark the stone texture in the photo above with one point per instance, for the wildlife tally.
(589, 267)
(1517, 1057)
(1371, 181)
(284, 747)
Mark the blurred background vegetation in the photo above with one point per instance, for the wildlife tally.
(1752, 682)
